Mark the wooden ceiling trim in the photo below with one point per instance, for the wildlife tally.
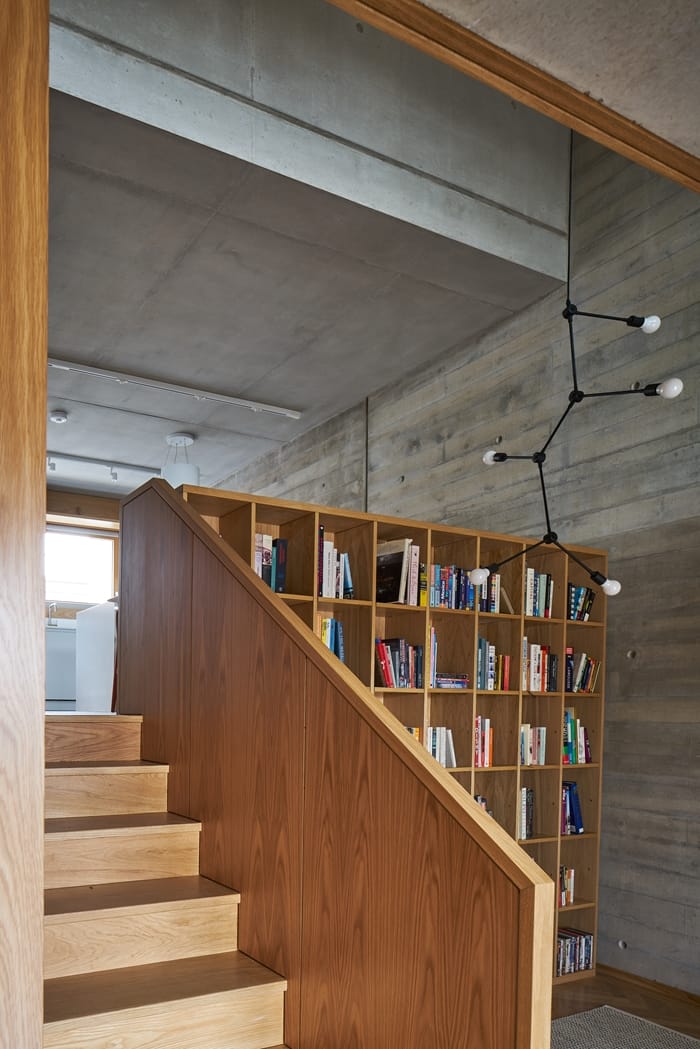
(437, 36)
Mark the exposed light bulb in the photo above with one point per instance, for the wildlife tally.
(489, 458)
(611, 587)
(670, 388)
(651, 324)
(478, 576)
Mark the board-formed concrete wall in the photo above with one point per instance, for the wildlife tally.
(623, 474)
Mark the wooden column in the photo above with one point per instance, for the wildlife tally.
(23, 340)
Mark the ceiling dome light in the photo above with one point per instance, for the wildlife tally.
(58, 415)
(670, 388)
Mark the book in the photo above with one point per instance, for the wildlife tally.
(279, 551)
(348, 589)
(392, 570)
(266, 573)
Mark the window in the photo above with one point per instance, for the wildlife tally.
(79, 568)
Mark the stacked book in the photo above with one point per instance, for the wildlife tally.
(492, 668)
(483, 742)
(270, 561)
(581, 672)
(449, 587)
(566, 886)
(571, 817)
(440, 743)
(533, 744)
(527, 813)
(539, 594)
(574, 951)
(579, 603)
(334, 574)
(399, 664)
(398, 572)
(576, 748)
(332, 634)
(540, 668)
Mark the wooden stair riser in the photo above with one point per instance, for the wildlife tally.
(102, 792)
(97, 859)
(77, 943)
(240, 1019)
(93, 739)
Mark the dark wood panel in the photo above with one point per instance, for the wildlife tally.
(394, 880)
(154, 635)
(247, 781)
(432, 32)
(23, 299)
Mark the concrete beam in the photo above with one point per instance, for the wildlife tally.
(302, 92)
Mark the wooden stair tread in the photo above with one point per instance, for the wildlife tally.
(114, 990)
(122, 823)
(58, 768)
(77, 715)
(120, 897)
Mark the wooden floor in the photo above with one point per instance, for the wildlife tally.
(653, 1002)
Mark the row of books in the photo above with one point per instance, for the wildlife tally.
(566, 886)
(399, 664)
(458, 679)
(571, 816)
(332, 635)
(492, 668)
(574, 951)
(527, 813)
(581, 672)
(399, 573)
(579, 602)
(576, 748)
(439, 741)
(539, 593)
(449, 587)
(334, 576)
(540, 668)
(533, 744)
(483, 742)
(270, 561)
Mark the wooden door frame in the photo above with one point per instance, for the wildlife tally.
(23, 342)
(433, 33)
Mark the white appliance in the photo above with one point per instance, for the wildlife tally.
(60, 662)
(95, 648)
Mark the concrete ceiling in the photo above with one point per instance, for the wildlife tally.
(173, 261)
(637, 57)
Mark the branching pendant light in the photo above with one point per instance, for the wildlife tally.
(667, 389)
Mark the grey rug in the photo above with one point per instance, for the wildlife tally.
(608, 1028)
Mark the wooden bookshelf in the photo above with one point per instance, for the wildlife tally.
(237, 517)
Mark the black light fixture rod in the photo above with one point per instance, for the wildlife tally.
(609, 317)
(649, 391)
(544, 499)
(574, 398)
(570, 321)
(578, 560)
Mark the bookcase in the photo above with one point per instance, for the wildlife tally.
(518, 749)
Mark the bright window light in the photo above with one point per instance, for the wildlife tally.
(78, 568)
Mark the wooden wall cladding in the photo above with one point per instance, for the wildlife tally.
(399, 913)
(155, 636)
(23, 339)
(410, 932)
(247, 782)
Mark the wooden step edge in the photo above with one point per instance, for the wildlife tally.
(76, 715)
(79, 768)
(69, 828)
(114, 899)
(141, 986)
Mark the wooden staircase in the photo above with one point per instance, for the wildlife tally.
(140, 951)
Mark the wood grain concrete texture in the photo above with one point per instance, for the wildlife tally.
(622, 474)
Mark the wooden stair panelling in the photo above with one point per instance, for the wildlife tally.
(140, 951)
(89, 928)
(85, 788)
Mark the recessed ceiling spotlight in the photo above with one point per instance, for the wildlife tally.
(58, 416)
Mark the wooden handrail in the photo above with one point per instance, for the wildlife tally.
(400, 912)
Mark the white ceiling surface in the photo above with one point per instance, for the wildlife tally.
(179, 263)
(638, 57)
